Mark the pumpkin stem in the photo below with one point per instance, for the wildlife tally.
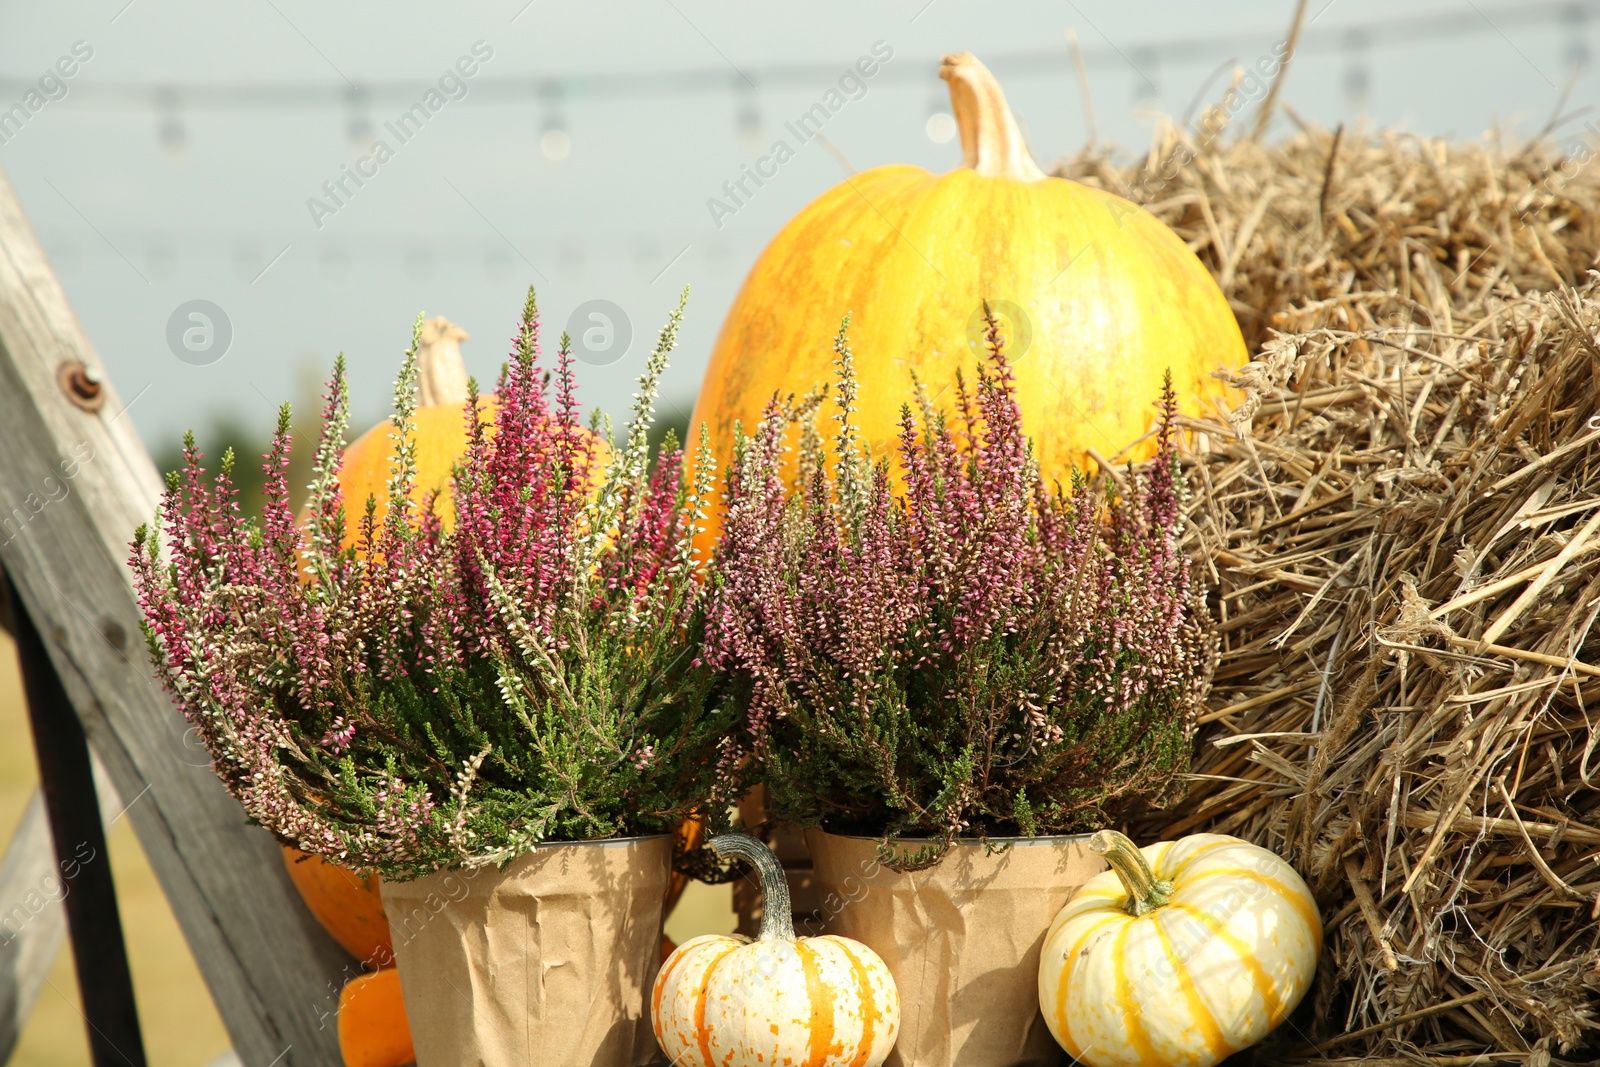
(1146, 892)
(441, 372)
(991, 141)
(777, 916)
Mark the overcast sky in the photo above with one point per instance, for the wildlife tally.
(184, 159)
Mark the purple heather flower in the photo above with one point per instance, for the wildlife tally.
(366, 704)
(924, 640)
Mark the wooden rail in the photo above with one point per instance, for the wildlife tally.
(74, 482)
(32, 922)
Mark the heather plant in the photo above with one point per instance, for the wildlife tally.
(440, 693)
(944, 646)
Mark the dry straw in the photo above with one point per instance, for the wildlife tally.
(1400, 525)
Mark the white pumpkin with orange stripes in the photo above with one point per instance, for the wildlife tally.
(1180, 955)
(728, 1001)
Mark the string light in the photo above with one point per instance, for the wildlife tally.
(170, 130)
(555, 144)
(163, 263)
(496, 264)
(246, 261)
(419, 263)
(244, 252)
(334, 262)
(1353, 41)
(1146, 79)
(358, 119)
(941, 125)
(748, 119)
(1357, 80)
(1577, 38)
(1432, 27)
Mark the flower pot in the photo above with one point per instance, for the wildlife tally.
(962, 939)
(547, 964)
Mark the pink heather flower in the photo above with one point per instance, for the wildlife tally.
(338, 736)
(425, 697)
(945, 640)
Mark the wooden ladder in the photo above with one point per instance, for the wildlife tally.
(74, 483)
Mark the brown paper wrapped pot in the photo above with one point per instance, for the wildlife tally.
(548, 964)
(962, 940)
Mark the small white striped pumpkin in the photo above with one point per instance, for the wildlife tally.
(1180, 955)
(728, 1001)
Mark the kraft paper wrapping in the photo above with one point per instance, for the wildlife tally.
(962, 940)
(549, 964)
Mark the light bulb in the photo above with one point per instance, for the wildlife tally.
(555, 145)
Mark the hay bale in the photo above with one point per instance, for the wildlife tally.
(1400, 524)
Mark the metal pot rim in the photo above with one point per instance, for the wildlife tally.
(1041, 839)
(601, 842)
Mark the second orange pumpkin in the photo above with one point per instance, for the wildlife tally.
(346, 903)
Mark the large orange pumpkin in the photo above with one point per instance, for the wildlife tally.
(1097, 297)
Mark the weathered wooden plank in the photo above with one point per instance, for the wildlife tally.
(32, 922)
(73, 485)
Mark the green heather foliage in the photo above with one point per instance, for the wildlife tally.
(428, 697)
(976, 654)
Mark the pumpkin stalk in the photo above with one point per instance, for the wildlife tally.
(777, 915)
(441, 372)
(1146, 892)
(991, 140)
